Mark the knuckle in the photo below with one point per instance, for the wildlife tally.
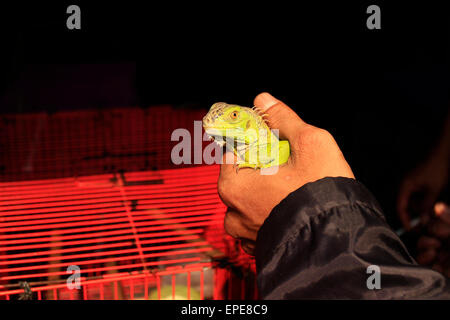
(223, 188)
(319, 136)
(230, 190)
(274, 115)
(279, 112)
(315, 137)
(228, 224)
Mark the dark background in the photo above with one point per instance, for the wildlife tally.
(382, 93)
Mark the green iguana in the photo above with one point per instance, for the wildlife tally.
(245, 131)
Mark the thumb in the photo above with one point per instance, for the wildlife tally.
(280, 116)
(442, 211)
(403, 202)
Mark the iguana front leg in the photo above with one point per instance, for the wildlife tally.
(260, 156)
(252, 158)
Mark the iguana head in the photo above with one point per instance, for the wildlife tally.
(234, 122)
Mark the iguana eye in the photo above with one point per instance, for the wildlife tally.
(234, 115)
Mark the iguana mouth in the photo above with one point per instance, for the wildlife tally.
(212, 137)
(211, 130)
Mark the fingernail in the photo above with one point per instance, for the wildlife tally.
(439, 208)
(266, 100)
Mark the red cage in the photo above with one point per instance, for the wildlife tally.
(131, 236)
(92, 208)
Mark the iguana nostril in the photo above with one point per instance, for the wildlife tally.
(206, 120)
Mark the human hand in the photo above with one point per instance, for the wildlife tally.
(250, 196)
(427, 181)
(433, 250)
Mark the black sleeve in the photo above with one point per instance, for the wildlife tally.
(319, 241)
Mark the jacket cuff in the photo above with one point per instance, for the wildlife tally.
(300, 206)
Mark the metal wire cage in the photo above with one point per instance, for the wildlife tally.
(155, 233)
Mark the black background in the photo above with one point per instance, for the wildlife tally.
(381, 93)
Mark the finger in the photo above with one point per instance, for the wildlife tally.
(442, 257)
(225, 178)
(428, 243)
(228, 161)
(424, 218)
(439, 229)
(446, 272)
(229, 171)
(427, 205)
(233, 224)
(279, 116)
(426, 257)
(402, 205)
(442, 211)
(437, 267)
(248, 246)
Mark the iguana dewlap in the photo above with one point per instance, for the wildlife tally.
(244, 131)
